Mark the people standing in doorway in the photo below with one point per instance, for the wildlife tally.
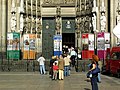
(41, 61)
(73, 55)
(66, 50)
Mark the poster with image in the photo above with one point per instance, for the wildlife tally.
(100, 44)
(100, 41)
(9, 41)
(57, 45)
(107, 40)
(32, 39)
(29, 46)
(91, 42)
(13, 45)
(26, 42)
(85, 41)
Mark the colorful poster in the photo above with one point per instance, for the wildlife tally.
(16, 41)
(100, 41)
(26, 42)
(32, 38)
(13, 45)
(32, 41)
(88, 45)
(29, 46)
(103, 42)
(9, 41)
(85, 41)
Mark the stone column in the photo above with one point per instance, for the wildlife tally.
(113, 21)
(3, 24)
(13, 21)
(58, 20)
(103, 17)
(9, 15)
(98, 15)
(117, 19)
(0, 26)
(94, 23)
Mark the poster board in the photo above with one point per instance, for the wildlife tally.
(13, 45)
(103, 42)
(87, 45)
(29, 50)
(57, 45)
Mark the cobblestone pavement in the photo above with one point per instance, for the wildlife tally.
(35, 81)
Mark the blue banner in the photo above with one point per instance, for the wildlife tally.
(57, 45)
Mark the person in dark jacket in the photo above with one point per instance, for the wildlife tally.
(51, 66)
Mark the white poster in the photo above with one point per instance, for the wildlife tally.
(91, 42)
(58, 43)
(100, 43)
(9, 41)
(107, 40)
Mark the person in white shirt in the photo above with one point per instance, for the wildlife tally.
(73, 55)
(41, 61)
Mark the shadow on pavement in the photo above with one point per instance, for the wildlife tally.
(86, 89)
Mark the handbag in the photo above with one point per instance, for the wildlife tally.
(89, 74)
(96, 70)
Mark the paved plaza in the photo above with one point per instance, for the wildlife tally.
(35, 81)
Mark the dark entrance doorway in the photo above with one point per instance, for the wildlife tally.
(68, 39)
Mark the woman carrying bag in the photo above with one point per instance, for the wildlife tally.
(94, 70)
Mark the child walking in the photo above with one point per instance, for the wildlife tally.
(55, 71)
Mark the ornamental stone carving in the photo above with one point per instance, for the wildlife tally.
(29, 22)
(58, 24)
(13, 22)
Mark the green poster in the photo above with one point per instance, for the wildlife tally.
(13, 45)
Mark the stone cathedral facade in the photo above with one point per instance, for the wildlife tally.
(46, 18)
